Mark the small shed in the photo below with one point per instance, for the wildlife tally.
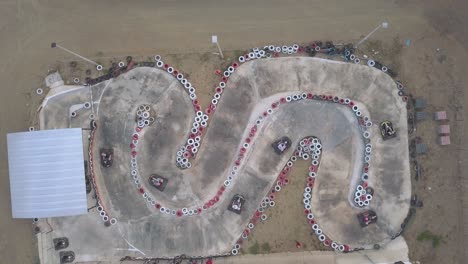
(47, 176)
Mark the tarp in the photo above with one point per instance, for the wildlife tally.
(47, 176)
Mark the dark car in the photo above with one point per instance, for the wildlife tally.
(158, 182)
(366, 218)
(387, 130)
(107, 157)
(236, 204)
(281, 145)
(60, 243)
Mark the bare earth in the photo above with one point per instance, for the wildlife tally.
(433, 66)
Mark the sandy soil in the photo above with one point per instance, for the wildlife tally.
(103, 31)
(286, 224)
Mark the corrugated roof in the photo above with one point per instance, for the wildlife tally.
(47, 177)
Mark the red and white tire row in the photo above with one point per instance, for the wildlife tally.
(200, 121)
(242, 152)
(309, 148)
(100, 208)
(189, 150)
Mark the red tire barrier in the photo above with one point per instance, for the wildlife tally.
(158, 206)
(179, 213)
(306, 212)
(258, 214)
(132, 146)
(166, 66)
(283, 100)
(274, 105)
(272, 196)
(134, 153)
(218, 72)
(141, 190)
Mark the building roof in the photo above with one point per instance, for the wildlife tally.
(47, 176)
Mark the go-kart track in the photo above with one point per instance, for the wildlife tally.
(330, 110)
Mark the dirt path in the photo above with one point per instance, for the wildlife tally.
(104, 29)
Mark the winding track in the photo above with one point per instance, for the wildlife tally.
(217, 231)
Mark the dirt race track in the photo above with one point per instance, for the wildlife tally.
(432, 66)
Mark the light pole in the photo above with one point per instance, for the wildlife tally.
(382, 25)
(214, 40)
(55, 45)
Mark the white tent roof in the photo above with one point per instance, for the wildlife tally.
(47, 177)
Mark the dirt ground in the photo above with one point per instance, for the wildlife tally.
(433, 66)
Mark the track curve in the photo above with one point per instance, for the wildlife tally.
(255, 84)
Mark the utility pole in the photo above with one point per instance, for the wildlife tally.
(214, 40)
(382, 25)
(55, 45)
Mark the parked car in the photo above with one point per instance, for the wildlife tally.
(158, 182)
(236, 204)
(107, 157)
(387, 130)
(281, 145)
(366, 218)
